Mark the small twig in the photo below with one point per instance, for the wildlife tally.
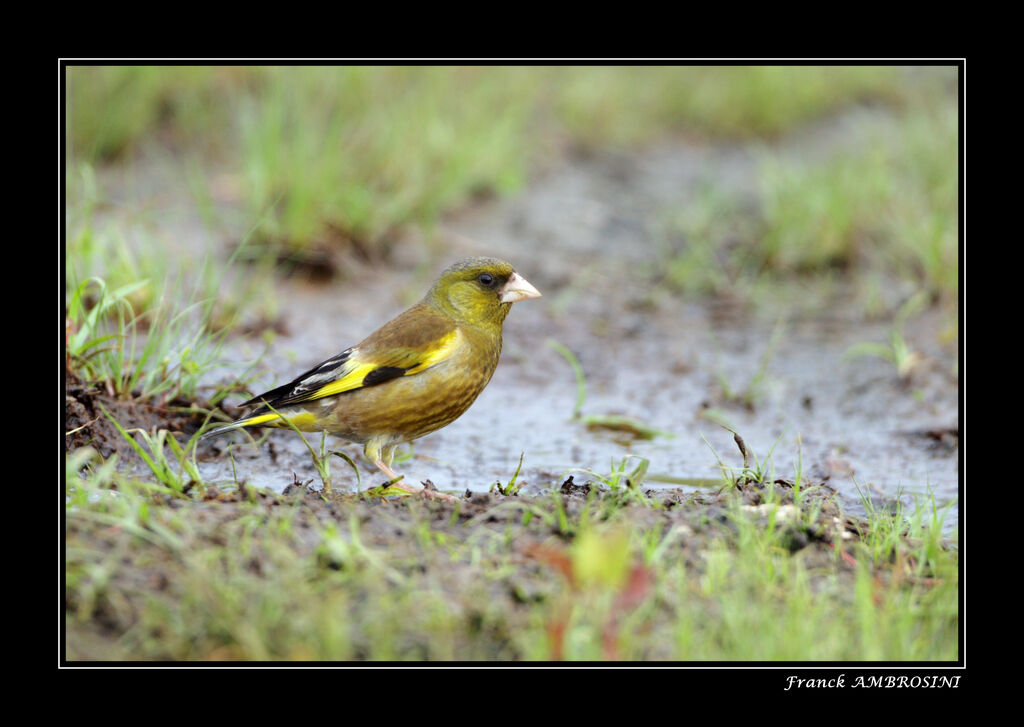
(743, 449)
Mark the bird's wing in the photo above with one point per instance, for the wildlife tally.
(413, 342)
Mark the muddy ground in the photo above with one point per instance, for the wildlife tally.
(590, 234)
(491, 599)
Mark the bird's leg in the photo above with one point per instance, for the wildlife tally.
(386, 469)
(411, 489)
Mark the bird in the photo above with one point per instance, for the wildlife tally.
(414, 375)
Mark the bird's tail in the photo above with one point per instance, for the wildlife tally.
(264, 419)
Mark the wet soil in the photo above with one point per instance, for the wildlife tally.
(87, 425)
(534, 567)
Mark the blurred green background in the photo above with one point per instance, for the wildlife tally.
(348, 157)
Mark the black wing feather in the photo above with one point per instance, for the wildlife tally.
(294, 390)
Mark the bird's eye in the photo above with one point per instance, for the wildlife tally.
(486, 279)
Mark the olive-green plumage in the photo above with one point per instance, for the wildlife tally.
(412, 376)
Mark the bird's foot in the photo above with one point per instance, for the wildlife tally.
(396, 482)
(425, 491)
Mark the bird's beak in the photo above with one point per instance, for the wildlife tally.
(517, 288)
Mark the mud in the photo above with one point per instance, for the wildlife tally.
(87, 425)
(536, 568)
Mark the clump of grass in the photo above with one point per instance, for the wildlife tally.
(133, 325)
(818, 216)
(354, 153)
(892, 205)
(754, 470)
(896, 525)
(619, 477)
(886, 206)
(511, 488)
(923, 220)
(706, 244)
(897, 351)
(180, 479)
(161, 353)
(123, 247)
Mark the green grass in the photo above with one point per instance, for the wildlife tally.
(347, 158)
(143, 320)
(158, 572)
(113, 109)
(354, 154)
(161, 353)
(893, 205)
(351, 155)
(897, 351)
(887, 206)
(620, 106)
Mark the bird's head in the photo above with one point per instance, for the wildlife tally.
(479, 291)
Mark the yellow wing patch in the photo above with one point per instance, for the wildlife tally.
(353, 379)
(446, 345)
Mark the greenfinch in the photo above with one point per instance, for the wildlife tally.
(414, 375)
